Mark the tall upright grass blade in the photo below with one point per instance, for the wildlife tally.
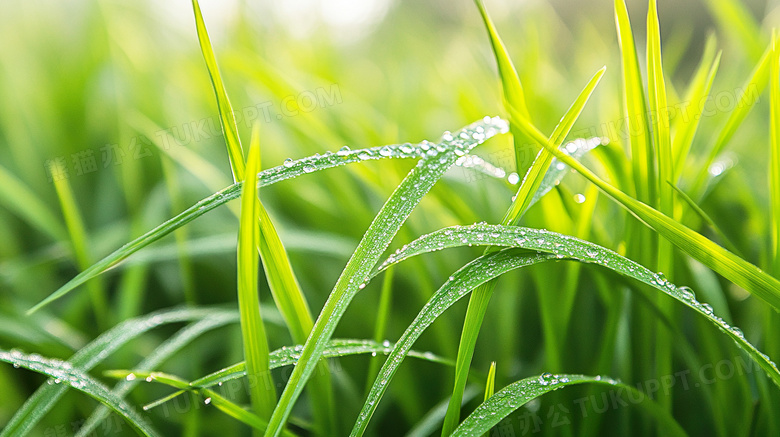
(479, 300)
(730, 266)
(288, 170)
(642, 156)
(64, 373)
(418, 182)
(736, 21)
(93, 354)
(226, 117)
(517, 394)
(774, 154)
(78, 239)
(513, 94)
(262, 390)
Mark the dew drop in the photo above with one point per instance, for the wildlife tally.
(288, 162)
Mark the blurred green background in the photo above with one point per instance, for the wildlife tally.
(118, 93)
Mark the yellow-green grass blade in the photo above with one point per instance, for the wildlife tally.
(288, 170)
(291, 302)
(63, 373)
(774, 154)
(747, 97)
(685, 125)
(730, 266)
(707, 219)
(439, 158)
(479, 300)
(80, 244)
(262, 390)
(513, 94)
(490, 384)
(517, 394)
(635, 110)
(736, 21)
(226, 115)
(17, 197)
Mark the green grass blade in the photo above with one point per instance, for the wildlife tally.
(80, 244)
(93, 354)
(642, 156)
(685, 126)
(774, 155)
(167, 349)
(419, 181)
(262, 390)
(656, 90)
(226, 117)
(707, 219)
(490, 385)
(17, 197)
(736, 21)
(564, 246)
(730, 266)
(517, 394)
(380, 327)
(513, 93)
(431, 422)
(289, 170)
(64, 373)
(479, 300)
(748, 95)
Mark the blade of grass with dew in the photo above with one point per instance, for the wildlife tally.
(478, 301)
(656, 90)
(747, 96)
(80, 245)
(517, 394)
(64, 373)
(289, 170)
(635, 110)
(565, 246)
(687, 122)
(17, 197)
(288, 356)
(262, 391)
(439, 158)
(161, 353)
(467, 278)
(730, 266)
(226, 117)
(93, 354)
(512, 93)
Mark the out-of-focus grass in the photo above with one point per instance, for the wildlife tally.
(78, 78)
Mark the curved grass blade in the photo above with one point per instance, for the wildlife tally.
(262, 391)
(226, 117)
(407, 195)
(564, 246)
(153, 360)
(461, 283)
(515, 395)
(95, 352)
(732, 267)
(288, 170)
(64, 373)
(288, 356)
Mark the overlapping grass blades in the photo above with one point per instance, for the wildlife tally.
(64, 373)
(563, 246)
(288, 170)
(515, 395)
(94, 353)
(533, 178)
(439, 158)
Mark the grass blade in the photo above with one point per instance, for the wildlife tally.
(289, 170)
(17, 197)
(262, 390)
(226, 117)
(515, 395)
(93, 354)
(386, 224)
(64, 373)
(564, 246)
(730, 266)
(774, 155)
